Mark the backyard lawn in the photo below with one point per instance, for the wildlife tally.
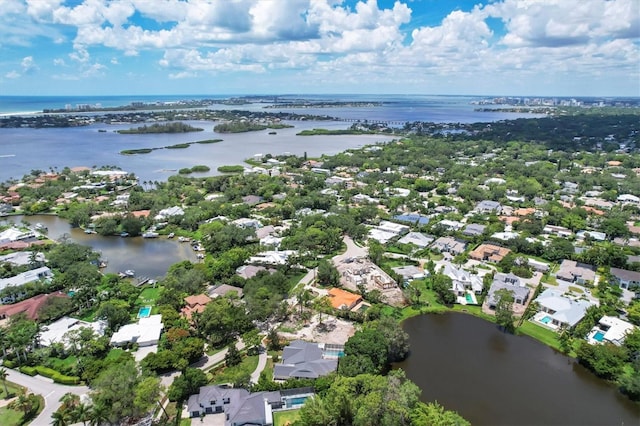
(10, 417)
(148, 297)
(548, 337)
(230, 374)
(284, 418)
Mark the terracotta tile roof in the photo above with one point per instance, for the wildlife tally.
(340, 298)
(30, 307)
(141, 213)
(200, 299)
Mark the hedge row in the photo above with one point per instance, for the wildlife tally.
(31, 371)
(50, 373)
(8, 363)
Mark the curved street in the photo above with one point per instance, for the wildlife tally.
(50, 391)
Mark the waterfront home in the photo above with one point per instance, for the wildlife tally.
(303, 360)
(22, 258)
(43, 273)
(463, 284)
(170, 212)
(489, 253)
(559, 310)
(145, 332)
(511, 283)
(449, 245)
(13, 234)
(237, 406)
(610, 329)
(625, 278)
(580, 273)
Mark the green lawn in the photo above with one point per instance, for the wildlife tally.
(228, 374)
(548, 337)
(548, 279)
(10, 417)
(148, 297)
(13, 389)
(284, 418)
(63, 364)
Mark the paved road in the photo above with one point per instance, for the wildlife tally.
(52, 392)
(353, 250)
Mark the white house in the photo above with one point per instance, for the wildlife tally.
(145, 332)
(558, 310)
(610, 329)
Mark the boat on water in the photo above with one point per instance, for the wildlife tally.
(184, 239)
(129, 273)
(40, 227)
(89, 231)
(124, 234)
(150, 234)
(171, 235)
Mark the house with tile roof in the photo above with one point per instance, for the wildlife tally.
(341, 299)
(489, 253)
(194, 304)
(303, 360)
(573, 271)
(237, 406)
(29, 307)
(509, 282)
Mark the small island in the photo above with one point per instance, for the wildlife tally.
(325, 132)
(238, 126)
(177, 127)
(176, 146)
(195, 169)
(231, 169)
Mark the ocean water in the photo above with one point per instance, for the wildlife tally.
(25, 149)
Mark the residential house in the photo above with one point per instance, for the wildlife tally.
(416, 238)
(628, 199)
(250, 271)
(29, 307)
(224, 290)
(22, 258)
(463, 284)
(342, 299)
(145, 332)
(449, 245)
(273, 257)
(474, 229)
(488, 206)
(580, 273)
(489, 253)
(451, 225)
(412, 218)
(168, 213)
(57, 331)
(12, 234)
(625, 278)
(195, 304)
(239, 407)
(303, 360)
(558, 310)
(595, 235)
(511, 283)
(558, 231)
(611, 330)
(410, 272)
(42, 273)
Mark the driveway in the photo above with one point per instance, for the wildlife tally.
(52, 392)
(353, 250)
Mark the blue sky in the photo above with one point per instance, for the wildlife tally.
(490, 47)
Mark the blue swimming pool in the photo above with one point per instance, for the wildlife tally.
(546, 320)
(333, 353)
(469, 298)
(144, 312)
(292, 402)
(599, 336)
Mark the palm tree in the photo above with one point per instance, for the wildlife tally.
(70, 401)
(60, 418)
(3, 377)
(82, 413)
(98, 415)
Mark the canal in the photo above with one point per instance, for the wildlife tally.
(492, 378)
(148, 257)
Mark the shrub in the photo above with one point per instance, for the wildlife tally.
(30, 371)
(45, 371)
(8, 363)
(66, 380)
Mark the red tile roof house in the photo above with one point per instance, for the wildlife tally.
(30, 307)
(195, 304)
